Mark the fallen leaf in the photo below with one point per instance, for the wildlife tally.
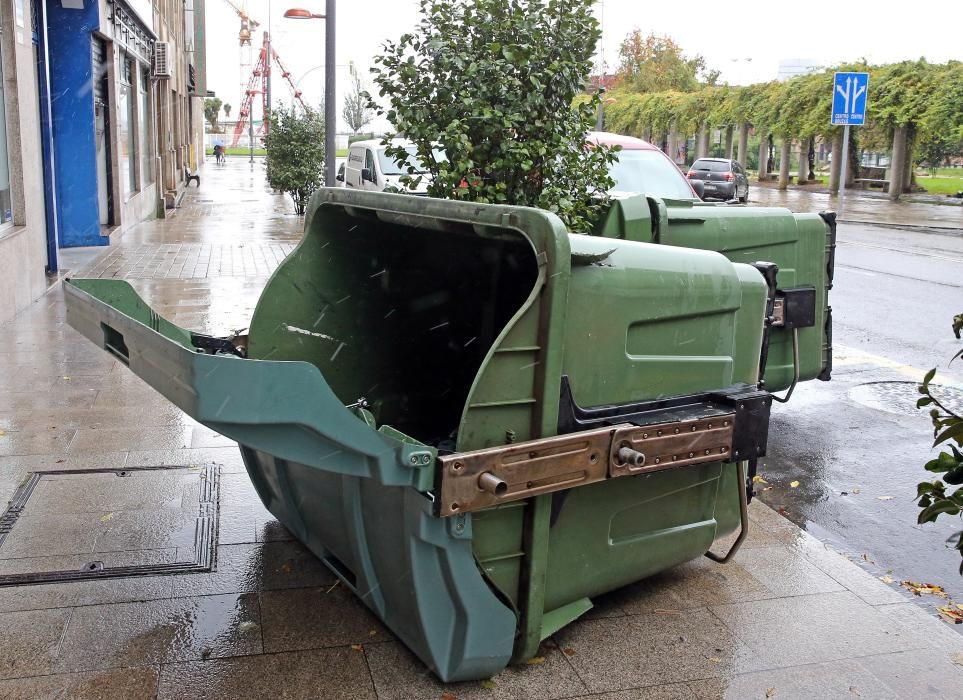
(921, 588)
(793, 484)
(61, 461)
(759, 480)
(770, 692)
(536, 661)
(855, 691)
(768, 488)
(206, 652)
(568, 651)
(107, 517)
(335, 585)
(957, 659)
(2, 433)
(489, 684)
(715, 659)
(448, 696)
(286, 567)
(951, 614)
(854, 491)
(885, 498)
(357, 647)
(247, 626)
(886, 579)
(66, 379)
(372, 633)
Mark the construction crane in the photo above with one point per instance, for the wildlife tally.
(248, 25)
(257, 85)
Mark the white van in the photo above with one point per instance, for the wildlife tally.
(368, 167)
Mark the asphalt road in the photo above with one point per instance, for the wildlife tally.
(857, 444)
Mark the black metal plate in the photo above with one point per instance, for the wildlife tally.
(205, 533)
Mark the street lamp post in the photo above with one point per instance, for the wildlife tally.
(330, 118)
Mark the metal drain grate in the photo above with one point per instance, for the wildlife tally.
(901, 397)
(25, 531)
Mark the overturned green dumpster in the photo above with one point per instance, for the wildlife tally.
(478, 420)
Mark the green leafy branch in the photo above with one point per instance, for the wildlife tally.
(937, 497)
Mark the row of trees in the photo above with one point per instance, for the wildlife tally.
(927, 98)
(661, 91)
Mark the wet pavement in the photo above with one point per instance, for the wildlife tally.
(860, 207)
(788, 618)
(857, 444)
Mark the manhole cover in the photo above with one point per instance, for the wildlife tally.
(107, 523)
(901, 397)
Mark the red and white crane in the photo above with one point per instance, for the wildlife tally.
(257, 85)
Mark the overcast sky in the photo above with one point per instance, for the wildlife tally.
(747, 42)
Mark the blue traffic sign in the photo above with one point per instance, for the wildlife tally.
(849, 99)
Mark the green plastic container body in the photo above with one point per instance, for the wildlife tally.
(801, 245)
(455, 324)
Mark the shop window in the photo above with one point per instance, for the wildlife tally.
(145, 127)
(128, 145)
(6, 201)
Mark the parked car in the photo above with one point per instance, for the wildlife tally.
(369, 167)
(723, 178)
(643, 168)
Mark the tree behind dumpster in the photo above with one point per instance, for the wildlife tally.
(295, 153)
(490, 84)
(212, 108)
(355, 111)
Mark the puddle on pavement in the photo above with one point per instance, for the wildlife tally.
(108, 523)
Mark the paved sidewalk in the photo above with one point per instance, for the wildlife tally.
(789, 618)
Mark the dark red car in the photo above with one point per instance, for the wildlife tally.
(643, 168)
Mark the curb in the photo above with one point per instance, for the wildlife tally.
(944, 230)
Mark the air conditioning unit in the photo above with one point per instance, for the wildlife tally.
(162, 59)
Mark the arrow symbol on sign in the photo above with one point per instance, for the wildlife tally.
(845, 93)
(856, 93)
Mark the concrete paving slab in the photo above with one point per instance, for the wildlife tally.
(816, 628)
(31, 641)
(335, 674)
(125, 683)
(160, 631)
(398, 675)
(834, 679)
(313, 618)
(51, 596)
(642, 650)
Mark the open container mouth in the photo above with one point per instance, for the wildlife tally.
(396, 310)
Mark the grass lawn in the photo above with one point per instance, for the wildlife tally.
(341, 153)
(941, 185)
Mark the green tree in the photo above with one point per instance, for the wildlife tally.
(656, 63)
(486, 91)
(295, 153)
(356, 112)
(212, 107)
(227, 110)
(934, 500)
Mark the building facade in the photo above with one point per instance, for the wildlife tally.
(104, 108)
(23, 226)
